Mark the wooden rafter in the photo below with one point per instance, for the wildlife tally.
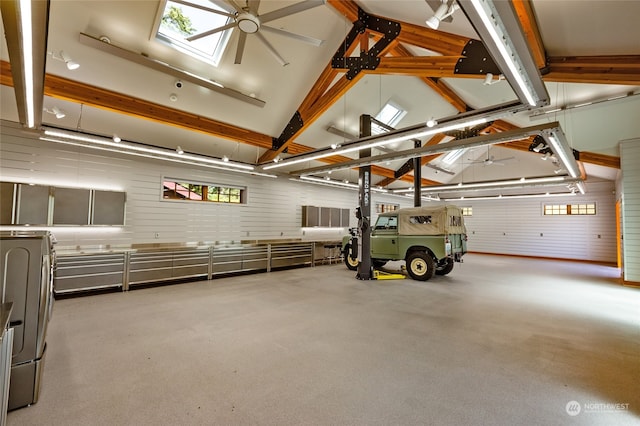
(527, 18)
(615, 69)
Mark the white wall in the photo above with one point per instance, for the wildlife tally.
(273, 209)
(629, 161)
(519, 227)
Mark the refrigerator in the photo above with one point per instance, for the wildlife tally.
(27, 261)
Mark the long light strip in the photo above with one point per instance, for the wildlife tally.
(380, 141)
(159, 157)
(507, 197)
(27, 57)
(333, 182)
(166, 153)
(481, 8)
(493, 184)
(566, 161)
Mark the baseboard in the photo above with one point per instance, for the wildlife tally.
(597, 262)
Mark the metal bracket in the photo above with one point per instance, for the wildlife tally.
(293, 126)
(368, 59)
(476, 60)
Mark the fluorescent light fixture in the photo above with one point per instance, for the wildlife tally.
(377, 141)
(560, 147)
(505, 197)
(27, 49)
(482, 140)
(332, 182)
(504, 184)
(105, 144)
(86, 229)
(497, 24)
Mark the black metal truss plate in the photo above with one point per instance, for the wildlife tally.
(293, 126)
(404, 169)
(476, 60)
(367, 60)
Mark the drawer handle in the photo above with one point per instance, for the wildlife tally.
(15, 323)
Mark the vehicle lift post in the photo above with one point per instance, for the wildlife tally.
(365, 269)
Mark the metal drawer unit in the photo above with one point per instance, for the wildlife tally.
(148, 267)
(231, 259)
(292, 254)
(88, 272)
(191, 263)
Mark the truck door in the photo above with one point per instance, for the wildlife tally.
(384, 238)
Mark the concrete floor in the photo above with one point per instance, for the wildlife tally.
(500, 341)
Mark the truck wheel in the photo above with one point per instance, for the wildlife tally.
(420, 266)
(351, 263)
(445, 266)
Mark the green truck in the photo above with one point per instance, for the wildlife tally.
(430, 239)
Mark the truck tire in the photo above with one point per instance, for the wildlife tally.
(420, 266)
(351, 263)
(445, 267)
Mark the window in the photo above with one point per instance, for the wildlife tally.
(189, 191)
(467, 211)
(181, 19)
(381, 208)
(390, 114)
(570, 209)
(420, 220)
(387, 222)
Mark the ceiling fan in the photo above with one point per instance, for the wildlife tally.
(247, 19)
(491, 160)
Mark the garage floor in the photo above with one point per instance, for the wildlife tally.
(500, 341)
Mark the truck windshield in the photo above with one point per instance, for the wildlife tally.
(387, 222)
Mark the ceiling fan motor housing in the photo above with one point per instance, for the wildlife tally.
(248, 23)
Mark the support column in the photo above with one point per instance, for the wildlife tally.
(417, 177)
(364, 221)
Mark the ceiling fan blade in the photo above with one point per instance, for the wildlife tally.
(242, 38)
(310, 40)
(236, 6)
(208, 9)
(253, 6)
(213, 31)
(271, 49)
(290, 10)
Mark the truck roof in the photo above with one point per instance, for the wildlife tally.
(429, 220)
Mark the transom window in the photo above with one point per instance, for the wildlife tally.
(570, 209)
(467, 211)
(181, 19)
(188, 191)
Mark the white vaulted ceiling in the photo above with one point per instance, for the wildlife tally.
(567, 28)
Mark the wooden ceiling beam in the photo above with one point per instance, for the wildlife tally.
(527, 18)
(614, 69)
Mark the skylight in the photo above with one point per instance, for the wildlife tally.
(390, 114)
(452, 156)
(181, 19)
